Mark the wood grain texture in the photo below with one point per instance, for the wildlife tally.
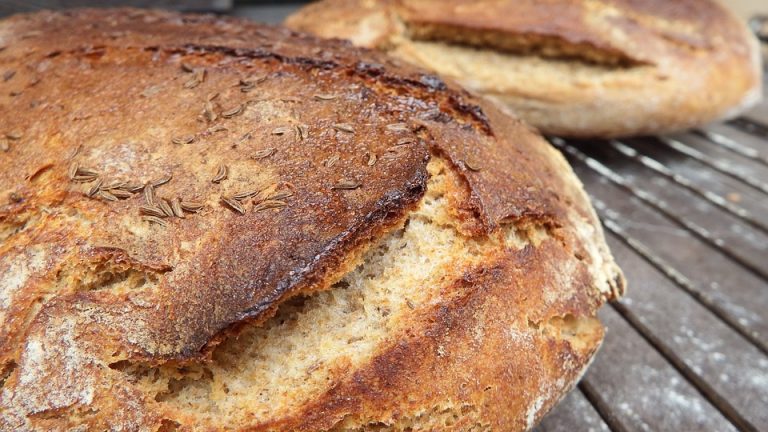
(687, 218)
(643, 390)
(731, 368)
(712, 272)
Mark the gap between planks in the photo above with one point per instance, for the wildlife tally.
(684, 182)
(601, 406)
(661, 207)
(676, 277)
(732, 145)
(701, 385)
(713, 163)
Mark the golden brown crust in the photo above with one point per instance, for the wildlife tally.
(653, 65)
(136, 96)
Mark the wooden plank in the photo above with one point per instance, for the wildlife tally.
(758, 129)
(759, 113)
(729, 367)
(718, 158)
(573, 413)
(722, 186)
(641, 390)
(738, 294)
(738, 140)
(732, 233)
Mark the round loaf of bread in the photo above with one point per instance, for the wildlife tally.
(209, 224)
(582, 68)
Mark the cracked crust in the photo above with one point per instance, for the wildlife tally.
(588, 68)
(109, 320)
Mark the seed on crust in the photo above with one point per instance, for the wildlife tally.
(187, 139)
(280, 195)
(84, 178)
(331, 161)
(162, 180)
(267, 192)
(471, 165)
(116, 184)
(152, 211)
(106, 195)
(176, 207)
(246, 86)
(233, 111)
(208, 112)
(155, 220)
(87, 172)
(269, 204)
(398, 127)
(149, 194)
(191, 206)
(95, 188)
(302, 132)
(347, 185)
(72, 170)
(344, 127)
(133, 187)
(261, 154)
(324, 97)
(198, 78)
(165, 207)
(221, 174)
(244, 195)
(120, 193)
(281, 130)
(82, 175)
(186, 67)
(233, 204)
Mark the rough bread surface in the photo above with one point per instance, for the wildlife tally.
(408, 257)
(586, 68)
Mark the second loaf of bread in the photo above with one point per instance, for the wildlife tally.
(581, 68)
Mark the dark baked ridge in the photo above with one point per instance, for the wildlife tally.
(92, 292)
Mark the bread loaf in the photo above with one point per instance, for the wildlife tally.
(209, 224)
(583, 68)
